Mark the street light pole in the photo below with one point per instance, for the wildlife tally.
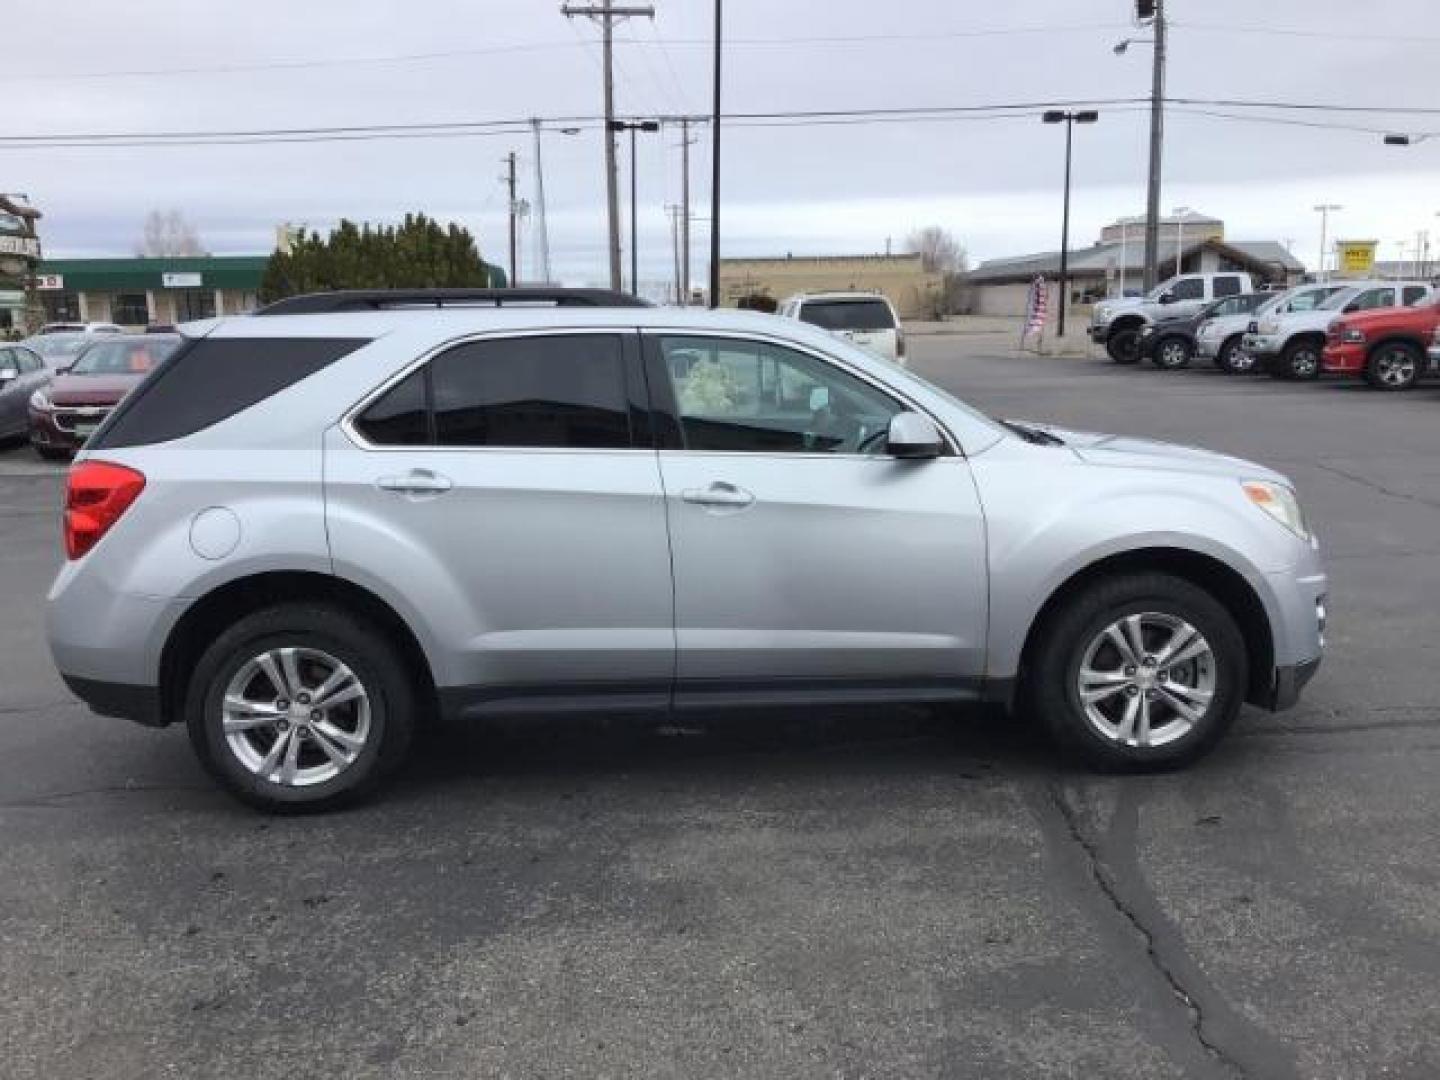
(632, 126)
(1324, 210)
(1069, 119)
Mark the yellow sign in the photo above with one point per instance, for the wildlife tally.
(1356, 256)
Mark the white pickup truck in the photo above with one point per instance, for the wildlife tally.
(1117, 323)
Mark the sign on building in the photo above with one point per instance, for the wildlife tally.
(182, 280)
(51, 282)
(28, 246)
(1356, 257)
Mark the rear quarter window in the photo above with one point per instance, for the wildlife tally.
(209, 380)
(848, 314)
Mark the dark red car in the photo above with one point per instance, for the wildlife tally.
(65, 413)
(1386, 346)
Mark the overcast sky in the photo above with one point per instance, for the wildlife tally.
(816, 189)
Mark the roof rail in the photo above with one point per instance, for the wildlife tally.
(321, 303)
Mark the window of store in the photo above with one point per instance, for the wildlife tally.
(60, 305)
(193, 304)
(129, 309)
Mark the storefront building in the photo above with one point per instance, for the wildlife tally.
(140, 292)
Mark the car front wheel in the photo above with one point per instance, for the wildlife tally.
(1394, 367)
(1141, 671)
(1300, 360)
(1123, 345)
(1173, 353)
(300, 707)
(1233, 359)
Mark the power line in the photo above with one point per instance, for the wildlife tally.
(1294, 31)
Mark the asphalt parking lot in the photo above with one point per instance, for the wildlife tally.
(879, 894)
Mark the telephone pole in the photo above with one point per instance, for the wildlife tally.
(685, 140)
(1157, 140)
(541, 269)
(715, 167)
(509, 181)
(675, 213)
(606, 13)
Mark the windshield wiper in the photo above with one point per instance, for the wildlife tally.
(1034, 435)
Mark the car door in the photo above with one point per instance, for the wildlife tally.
(14, 392)
(807, 560)
(507, 493)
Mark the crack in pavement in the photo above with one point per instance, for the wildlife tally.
(1232, 1041)
(1375, 485)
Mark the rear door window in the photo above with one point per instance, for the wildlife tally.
(1372, 298)
(848, 314)
(1227, 285)
(1414, 294)
(211, 379)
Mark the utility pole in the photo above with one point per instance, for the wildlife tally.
(715, 171)
(675, 212)
(606, 13)
(509, 181)
(1157, 140)
(1325, 210)
(684, 298)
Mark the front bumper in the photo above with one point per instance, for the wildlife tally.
(1343, 359)
(64, 428)
(1099, 334)
(1298, 602)
(1289, 681)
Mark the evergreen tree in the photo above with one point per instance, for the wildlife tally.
(419, 253)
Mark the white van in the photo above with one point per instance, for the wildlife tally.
(867, 319)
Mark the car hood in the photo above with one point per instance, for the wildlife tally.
(1132, 452)
(91, 389)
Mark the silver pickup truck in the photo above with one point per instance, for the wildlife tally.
(1117, 323)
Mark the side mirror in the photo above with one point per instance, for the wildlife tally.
(913, 436)
(9, 374)
(1167, 298)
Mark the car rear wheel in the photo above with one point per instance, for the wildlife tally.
(1394, 367)
(1233, 359)
(1123, 345)
(1300, 360)
(1140, 671)
(300, 708)
(1173, 353)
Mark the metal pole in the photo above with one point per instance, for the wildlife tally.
(1179, 242)
(1065, 233)
(634, 249)
(1324, 219)
(542, 232)
(510, 183)
(1157, 139)
(675, 246)
(685, 212)
(715, 171)
(1124, 254)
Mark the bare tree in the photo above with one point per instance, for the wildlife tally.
(940, 252)
(167, 232)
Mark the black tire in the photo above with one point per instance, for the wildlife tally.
(1172, 353)
(381, 672)
(1394, 365)
(1300, 360)
(1050, 690)
(1232, 357)
(1123, 345)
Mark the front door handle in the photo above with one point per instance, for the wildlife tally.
(416, 482)
(721, 494)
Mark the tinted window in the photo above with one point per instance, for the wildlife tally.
(848, 314)
(399, 417)
(763, 398)
(559, 391)
(1227, 286)
(1372, 298)
(1415, 293)
(132, 309)
(1188, 289)
(209, 380)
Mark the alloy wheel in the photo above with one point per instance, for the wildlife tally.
(1304, 363)
(1395, 368)
(1173, 354)
(296, 717)
(1146, 680)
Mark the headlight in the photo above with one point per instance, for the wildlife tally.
(1352, 337)
(40, 401)
(1280, 503)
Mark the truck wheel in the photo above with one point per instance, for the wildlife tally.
(1173, 353)
(1300, 360)
(1233, 359)
(1137, 671)
(300, 707)
(1123, 345)
(1395, 366)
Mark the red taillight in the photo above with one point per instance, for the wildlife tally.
(96, 494)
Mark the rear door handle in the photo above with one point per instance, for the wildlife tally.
(416, 482)
(719, 493)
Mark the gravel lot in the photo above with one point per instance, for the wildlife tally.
(885, 893)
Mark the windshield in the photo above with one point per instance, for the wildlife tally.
(124, 357)
(848, 314)
(57, 346)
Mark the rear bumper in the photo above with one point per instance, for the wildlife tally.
(122, 700)
(1343, 359)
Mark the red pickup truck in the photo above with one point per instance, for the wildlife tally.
(1385, 345)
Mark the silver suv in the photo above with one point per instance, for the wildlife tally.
(310, 530)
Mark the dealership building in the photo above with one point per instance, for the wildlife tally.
(138, 292)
